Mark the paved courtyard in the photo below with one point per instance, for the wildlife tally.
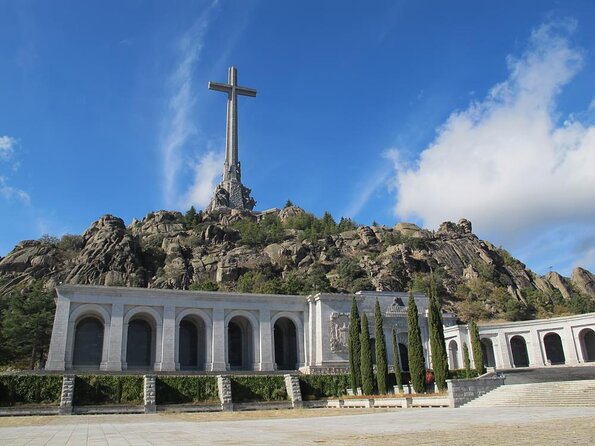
(497, 426)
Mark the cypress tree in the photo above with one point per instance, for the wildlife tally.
(381, 367)
(397, 366)
(354, 347)
(367, 369)
(476, 348)
(416, 349)
(437, 342)
(466, 361)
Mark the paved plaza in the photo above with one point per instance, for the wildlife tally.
(465, 426)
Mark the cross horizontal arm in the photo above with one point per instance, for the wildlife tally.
(219, 87)
(246, 91)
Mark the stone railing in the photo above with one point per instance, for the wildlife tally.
(461, 391)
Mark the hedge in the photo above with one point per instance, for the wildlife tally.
(30, 389)
(315, 387)
(461, 374)
(258, 388)
(187, 389)
(95, 389)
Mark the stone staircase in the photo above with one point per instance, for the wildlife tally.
(567, 393)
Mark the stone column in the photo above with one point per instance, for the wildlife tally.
(266, 344)
(536, 358)
(292, 384)
(67, 395)
(114, 356)
(57, 352)
(571, 346)
(224, 387)
(169, 338)
(150, 394)
(505, 356)
(218, 344)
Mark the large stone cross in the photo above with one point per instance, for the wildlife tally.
(231, 169)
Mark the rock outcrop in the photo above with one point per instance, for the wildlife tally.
(164, 250)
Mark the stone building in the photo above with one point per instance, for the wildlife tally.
(113, 328)
(568, 340)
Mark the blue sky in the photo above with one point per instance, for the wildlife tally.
(420, 111)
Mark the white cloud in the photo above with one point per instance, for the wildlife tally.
(7, 144)
(504, 162)
(207, 171)
(365, 191)
(12, 193)
(178, 125)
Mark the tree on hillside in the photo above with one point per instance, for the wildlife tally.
(288, 204)
(466, 360)
(476, 348)
(437, 342)
(191, 218)
(354, 346)
(381, 367)
(367, 367)
(417, 367)
(397, 366)
(26, 323)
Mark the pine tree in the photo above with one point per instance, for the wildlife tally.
(367, 369)
(416, 349)
(381, 367)
(397, 366)
(354, 347)
(437, 342)
(476, 348)
(466, 360)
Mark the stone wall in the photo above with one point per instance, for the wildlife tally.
(461, 391)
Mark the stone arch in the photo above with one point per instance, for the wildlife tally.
(587, 341)
(554, 351)
(201, 324)
(487, 348)
(518, 347)
(403, 357)
(285, 344)
(241, 340)
(299, 333)
(88, 343)
(141, 339)
(78, 315)
(453, 355)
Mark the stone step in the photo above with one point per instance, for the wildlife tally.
(568, 393)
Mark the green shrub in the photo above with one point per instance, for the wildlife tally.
(186, 389)
(462, 374)
(258, 388)
(96, 389)
(315, 387)
(30, 389)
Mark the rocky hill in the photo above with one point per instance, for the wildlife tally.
(289, 251)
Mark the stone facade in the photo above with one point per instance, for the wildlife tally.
(116, 328)
(568, 340)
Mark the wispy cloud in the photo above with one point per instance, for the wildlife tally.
(505, 162)
(7, 144)
(178, 128)
(365, 191)
(13, 193)
(207, 171)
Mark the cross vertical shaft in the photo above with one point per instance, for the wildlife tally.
(231, 169)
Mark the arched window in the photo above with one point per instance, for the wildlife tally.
(191, 343)
(140, 344)
(286, 354)
(488, 352)
(240, 347)
(88, 343)
(518, 346)
(453, 355)
(554, 351)
(587, 340)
